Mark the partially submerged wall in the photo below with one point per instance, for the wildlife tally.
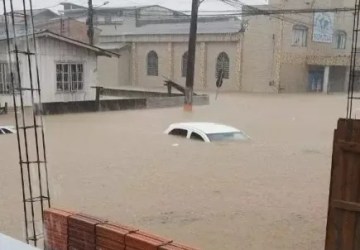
(68, 230)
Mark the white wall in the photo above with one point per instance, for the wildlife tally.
(50, 52)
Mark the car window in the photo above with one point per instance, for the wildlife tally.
(228, 136)
(6, 131)
(179, 132)
(196, 136)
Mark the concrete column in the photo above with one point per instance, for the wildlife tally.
(347, 79)
(279, 50)
(134, 65)
(326, 79)
(203, 65)
(239, 59)
(170, 61)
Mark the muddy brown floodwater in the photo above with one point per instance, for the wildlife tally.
(270, 193)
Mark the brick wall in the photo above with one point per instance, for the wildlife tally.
(66, 230)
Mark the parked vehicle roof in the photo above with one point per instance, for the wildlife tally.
(206, 127)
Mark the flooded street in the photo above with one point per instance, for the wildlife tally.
(270, 193)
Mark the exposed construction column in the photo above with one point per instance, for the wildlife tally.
(134, 67)
(347, 79)
(171, 61)
(203, 65)
(326, 79)
(278, 49)
(239, 59)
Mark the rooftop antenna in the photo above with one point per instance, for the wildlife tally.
(25, 85)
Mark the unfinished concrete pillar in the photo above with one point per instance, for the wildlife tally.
(170, 61)
(134, 66)
(326, 79)
(203, 65)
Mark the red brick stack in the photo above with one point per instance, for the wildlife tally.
(112, 236)
(82, 232)
(71, 231)
(56, 229)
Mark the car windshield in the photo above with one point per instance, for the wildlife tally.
(230, 136)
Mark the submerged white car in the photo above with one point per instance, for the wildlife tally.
(207, 132)
(7, 130)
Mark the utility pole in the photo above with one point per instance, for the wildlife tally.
(189, 89)
(90, 22)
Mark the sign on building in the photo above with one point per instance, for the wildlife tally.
(323, 27)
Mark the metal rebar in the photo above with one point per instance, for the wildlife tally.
(22, 111)
(16, 119)
(29, 54)
(40, 104)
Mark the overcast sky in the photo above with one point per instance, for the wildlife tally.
(208, 5)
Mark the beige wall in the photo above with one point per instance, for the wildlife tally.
(269, 54)
(108, 69)
(124, 67)
(259, 55)
(114, 71)
(142, 49)
(179, 50)
(213, 50)
(205, 63)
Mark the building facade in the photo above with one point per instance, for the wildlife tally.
(305, 52)
(155, 53)
(68, 69)
(153, 43)
(68, 27)
(299, 52)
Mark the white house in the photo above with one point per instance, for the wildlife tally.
(67, 67)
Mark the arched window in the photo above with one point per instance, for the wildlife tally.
(184, 62)
(222, 65)
(152, 64)
(340, 39)
(300, 34)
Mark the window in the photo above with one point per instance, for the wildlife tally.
(5, 79)
(69, 77)
(152, 63)
(6, 131)
(108, 19)
(300, 33)
(178, 132)
(340, 40)
(236, 136)
(196, 136)
(222, 65)
(184, 64)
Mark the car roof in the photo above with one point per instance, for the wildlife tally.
(8, 127)
(205, 127)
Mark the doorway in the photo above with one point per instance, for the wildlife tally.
(316, 79)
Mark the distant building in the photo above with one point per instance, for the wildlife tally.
(262, 53)
(298, 52)
(68, 68)
(69, 27)
(153, 43)
(151, 53)
(39, 16)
